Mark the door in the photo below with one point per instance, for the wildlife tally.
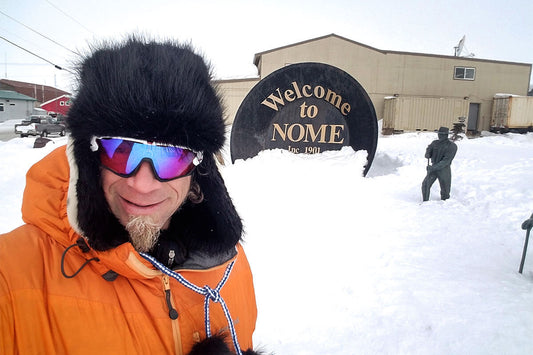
(473, 115)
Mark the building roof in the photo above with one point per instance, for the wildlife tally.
(257, 56)
(55, 99)
(12, 95)
(41, 93)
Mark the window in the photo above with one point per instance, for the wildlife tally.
(463, 73)
(1, 106)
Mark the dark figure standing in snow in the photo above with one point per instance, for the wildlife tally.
(441, 152)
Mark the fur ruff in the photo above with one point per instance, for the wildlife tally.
(158, 92)
(216, 345)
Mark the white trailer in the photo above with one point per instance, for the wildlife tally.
(408, 113)
(512, 113)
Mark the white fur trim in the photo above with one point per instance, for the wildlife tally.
(72, 195)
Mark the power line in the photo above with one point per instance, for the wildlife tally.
(40, 34)
(38, 56)
(70, 17)
(18, 63)
(28, 43)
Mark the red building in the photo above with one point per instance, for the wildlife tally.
(59, 105)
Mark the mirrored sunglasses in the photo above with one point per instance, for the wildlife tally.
(123, 156)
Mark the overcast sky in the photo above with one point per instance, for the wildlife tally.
(229, 33)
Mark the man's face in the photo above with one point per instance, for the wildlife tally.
(443, 136)
(143, 195)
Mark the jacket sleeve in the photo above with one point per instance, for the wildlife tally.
(429, 151)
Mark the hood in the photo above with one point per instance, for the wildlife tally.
(45, 203)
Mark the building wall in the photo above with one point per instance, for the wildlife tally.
(233, 93)
(361, 60)
(432, 76)
(15, 109)
(386, 73)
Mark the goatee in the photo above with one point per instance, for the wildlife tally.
(143, 233)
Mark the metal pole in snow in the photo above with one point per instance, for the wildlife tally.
(524, 251)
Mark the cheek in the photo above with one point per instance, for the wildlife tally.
(181, 188)
(108, 180)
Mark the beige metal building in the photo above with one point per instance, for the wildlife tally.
(430, 89)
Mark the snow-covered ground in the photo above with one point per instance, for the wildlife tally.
(351, 265)
(8, 125)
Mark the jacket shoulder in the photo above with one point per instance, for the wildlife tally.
(452, 146)
(22, 245)
(21, 240)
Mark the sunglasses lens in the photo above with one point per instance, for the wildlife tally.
(123, 157)
(115, 154)
(171, 162)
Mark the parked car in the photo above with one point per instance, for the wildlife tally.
(40, 125)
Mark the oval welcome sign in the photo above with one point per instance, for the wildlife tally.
(305, 108)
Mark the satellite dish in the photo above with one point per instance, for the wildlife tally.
(460, 46)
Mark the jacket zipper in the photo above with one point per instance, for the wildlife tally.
(173, 315)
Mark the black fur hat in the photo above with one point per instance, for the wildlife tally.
(157, 92)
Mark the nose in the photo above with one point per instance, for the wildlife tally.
(144, 180)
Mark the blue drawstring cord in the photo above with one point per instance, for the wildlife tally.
(208, 292)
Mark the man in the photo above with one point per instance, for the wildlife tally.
(441, 152)
(131, 242)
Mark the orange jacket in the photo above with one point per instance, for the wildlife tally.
(44, 312)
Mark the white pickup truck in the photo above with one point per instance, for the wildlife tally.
(40, 125)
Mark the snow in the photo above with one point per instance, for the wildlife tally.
(499, 95)
(345, 264)
(8, 126)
